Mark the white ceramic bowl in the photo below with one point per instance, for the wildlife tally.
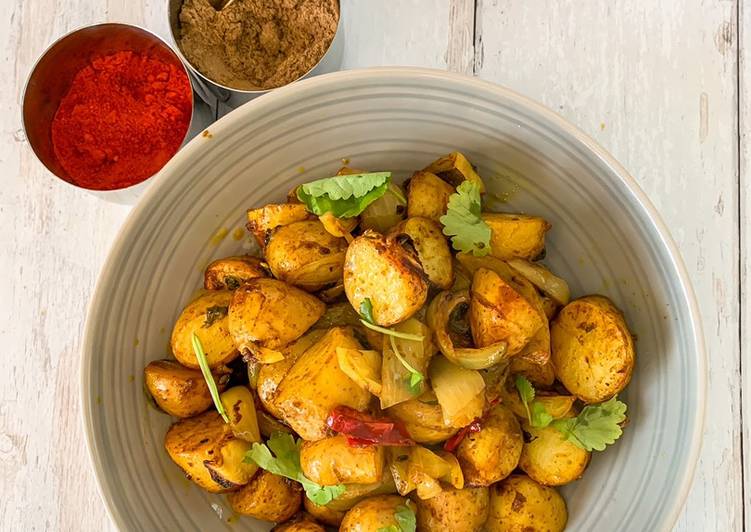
(606, 238)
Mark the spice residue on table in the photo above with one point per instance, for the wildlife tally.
(257, 44)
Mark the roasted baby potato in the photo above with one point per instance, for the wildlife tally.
(592, 349)
(516, 236)
(265, 315)
(455, 168)
(302, 522)
(306, 255)
(324, 514)
(240, 408)
(374, 514)
(333, 461)
(431, 247)
(267, 497)
(381, 270)
(315, 385)
(540, 375)
(229, 273)
(423, 420)
(520, 504)
(180, 391)
(457, 510)
(493, 453)
(552, 460)
(355, 493)
(264, 220)
(205, 448)
(499, 312)
(427, 196)
(206, 316)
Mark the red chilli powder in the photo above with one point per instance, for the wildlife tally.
(124, 116)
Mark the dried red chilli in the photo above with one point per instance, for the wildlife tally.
(453, 442)
(362, 429)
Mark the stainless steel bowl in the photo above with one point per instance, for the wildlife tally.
(222, 97)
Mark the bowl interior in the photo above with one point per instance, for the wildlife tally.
(604, 240)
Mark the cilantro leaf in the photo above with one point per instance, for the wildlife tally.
(405, 517)
(285, 462)
(415, 377)
(596, 426)
(536, 414)
(366, 310)
(540, 417)
(462, 222)
(203, 363)
(344, 196)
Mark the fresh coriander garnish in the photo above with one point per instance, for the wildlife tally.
(536, 414)
(203, 363)
(406, 519)
(366, 310)
(596, 426)
(415, 377)
(344, 196)
(366, 318)
(463, 222)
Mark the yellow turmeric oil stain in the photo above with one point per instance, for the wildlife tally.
(238, 233)
(219, 236)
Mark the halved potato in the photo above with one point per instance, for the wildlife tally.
(455, 168)
(262, 221)
(374, 514)
(457, 510)
(333, 461)
(493, 453)
(180, 391)
(206, 316)
(324, 514)
(315, 385)
(205, 448)
(267, 497)
(423, 419)
(230, 272)
(265, 315)
(302, 522)
(306, 255)
(592, 349)
(519, 504)
(431, 246)
(516, 236)
(552, 460)
(427, 196)
(241, 410)
(381, 270)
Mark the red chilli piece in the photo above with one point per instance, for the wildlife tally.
(453, 442)
(362, 429)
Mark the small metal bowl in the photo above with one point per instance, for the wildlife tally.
(51, 77)
(221, 96)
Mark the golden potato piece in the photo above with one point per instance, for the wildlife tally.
(516, 236)
(205, 448)
(230, 272)
(305, 255)
(333, 461)
(498, 312)
(324, 514)
(315, 385)
(592, 349)
(180, 391)
(432, 249)
(493, 453)
(552, 460)
(455, 168)
(520, 504)
(240, 408)
(300, 523)
(427, 196)
(206, 316)
(355, 493)
(265, 315)
(267, 497)
(457, 510)
(423, 420)
(381, 270)
(374, 514)
(262, 221)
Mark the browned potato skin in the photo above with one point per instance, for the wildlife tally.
(552, 460)
(229, 273)
(372, 514)
(300, 523)
(519, 504)
(333, 461)
(540, 375)
(215, 339)
(315, 385)
(381, 270)
(267, 497)
(292, 250)
(270, 314)
(455, 168)
(262, 221)
(196, 442)
(493, 453)
(324, 514)
(427, 196)
(498, 312)
(423, 421)
(432, 249)
(516, 235)
(180, 391)
(463, 510)
(592, 349)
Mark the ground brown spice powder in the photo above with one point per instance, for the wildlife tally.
(257, 44)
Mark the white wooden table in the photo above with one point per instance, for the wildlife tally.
(662, 84)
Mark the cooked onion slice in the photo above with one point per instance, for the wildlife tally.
(544, 279)
(460, 391)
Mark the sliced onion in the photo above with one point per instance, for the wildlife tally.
(363, 367)
(460, 391)
(544, 279)
(385, 212)
(339, 227)
(395, 376)
(455, 476)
